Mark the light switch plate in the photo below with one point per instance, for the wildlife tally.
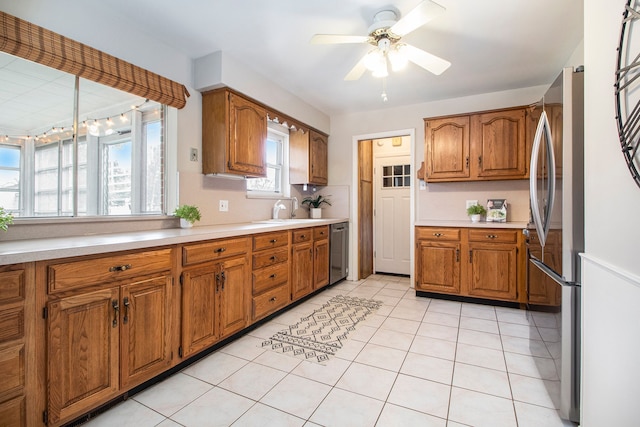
(471, 203)
(224, 206)
(193, 155)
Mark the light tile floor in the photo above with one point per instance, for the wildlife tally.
(416, 362)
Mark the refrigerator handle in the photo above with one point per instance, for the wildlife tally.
(542, 224)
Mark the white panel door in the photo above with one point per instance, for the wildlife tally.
(392, 214)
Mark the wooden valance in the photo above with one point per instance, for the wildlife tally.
(29, 41)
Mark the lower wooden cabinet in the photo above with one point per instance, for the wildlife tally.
(481, 263)
(301, 263)
(104, 341)
(270, 275)
(541, 289)
(320, 256)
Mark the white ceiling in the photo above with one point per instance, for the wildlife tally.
(493, 45)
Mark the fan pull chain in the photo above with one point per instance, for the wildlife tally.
(384, 96)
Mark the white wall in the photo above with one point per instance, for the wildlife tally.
(610, 275)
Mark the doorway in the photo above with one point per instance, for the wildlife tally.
(362, 253)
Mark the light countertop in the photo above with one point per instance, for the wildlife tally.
(17, 251)
(469, 224)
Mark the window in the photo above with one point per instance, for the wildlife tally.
(10, 159)
(396, 176)
(276, 183)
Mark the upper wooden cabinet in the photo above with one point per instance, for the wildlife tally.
(488, 145)
(234, 134)
(308, 158)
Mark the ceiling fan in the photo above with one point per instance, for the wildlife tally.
(385, 35)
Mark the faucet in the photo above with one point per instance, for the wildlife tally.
(277, 207)
(294, 206)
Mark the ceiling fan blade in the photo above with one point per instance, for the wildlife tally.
(429, 62)
(357, 71)
(337, 39)
(420, 15)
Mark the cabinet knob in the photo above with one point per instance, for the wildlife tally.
(120, 267)
(273, 299)
(274, 258)
(220, 250)
(273, 240)
(491, 236)
(437, 234)
(273, 276)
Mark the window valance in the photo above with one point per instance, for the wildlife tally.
(29, 41)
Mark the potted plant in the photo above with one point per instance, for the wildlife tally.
(188, 214)
(475, 212)
(5, 219)
(315, 205)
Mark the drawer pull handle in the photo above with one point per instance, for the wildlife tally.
(322, 233)
(273, 276)
(220, 250)
(302, 236)
(273, 299)
(274, 258)
(116, 311)
(273, 240)
(120, 268)
(125, 302)
(491, 236)
(437, 234)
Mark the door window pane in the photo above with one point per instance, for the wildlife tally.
(396, 176)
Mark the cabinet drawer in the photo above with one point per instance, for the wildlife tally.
(428, 233)
(211, 251)
(11, 286)
(267, 258)
(320, 233)
(269, 277)
(270, 301)
(301, 235)
(11, 371)
(270, 240)
(492, 235)
(11, 324)
(88, 272)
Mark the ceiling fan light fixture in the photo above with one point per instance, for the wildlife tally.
(382, 70)
(398, 58)
(375, 60)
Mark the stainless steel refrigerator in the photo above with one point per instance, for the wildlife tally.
(556, 237)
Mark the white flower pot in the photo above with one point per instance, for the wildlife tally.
(475, 218)
(185, 224)
(315, 213)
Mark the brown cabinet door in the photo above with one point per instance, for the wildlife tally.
(83, 365)
(447, 148)
(541, 289)
(492, 271)
(235, 285)
(499, 148)
(247, 137)
(438, 267)
(320, 263)
(318, 158)
(199, 310)
(301, 269)
(145, 344)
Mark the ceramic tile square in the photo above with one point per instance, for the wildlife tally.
(165, 423)
(408, 313)
(401, 286)
(130, 413)
(265, 416)
(343, 408)
(386, 291)
(512, 315)
(549, 334)
(392, 339)
(520, 331)
(172, 394)
(421, 395)
(428, 368)
(414, 304)
(215, 408)
(215, 367)
(246, 347)
(479, 409)
(374, 320)
(345, 286)
(480, 356)
(351, 349)
(363, 332)
(525, 346)
(446, 307)
(535, 391)
(327, 374)
(364, 292)
(400, 325)
(433, 347)
(483, 380)
(382, 357)
(296, 395)
(536, 416)
(481, 325)
(481, 339)
(368, 381)
(441, 319)
(478, 311)
(545, 320)
(387, 300)
(530, 366)
(253, 380)
(433, 330)
(268, 329)
(397, 416)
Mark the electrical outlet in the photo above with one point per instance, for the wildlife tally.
(423, 185)
(471, 203)
(194, 155)
(224, 206)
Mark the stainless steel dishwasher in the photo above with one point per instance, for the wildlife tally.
(339, 252)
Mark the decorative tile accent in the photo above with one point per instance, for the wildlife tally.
(320, 335)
